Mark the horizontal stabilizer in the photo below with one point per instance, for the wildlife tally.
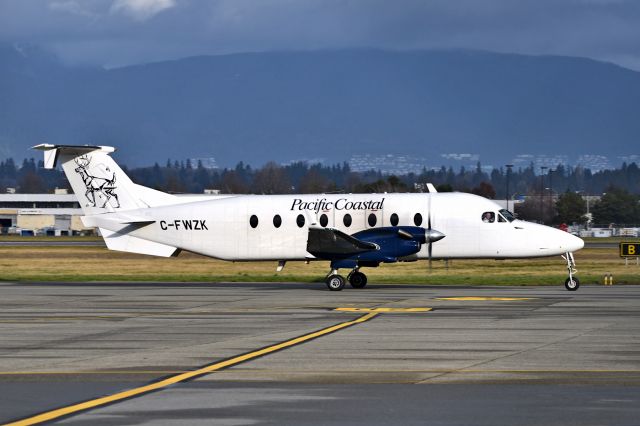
(123, 242)
(115, 220)
(51, 152)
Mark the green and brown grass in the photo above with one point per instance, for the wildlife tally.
(76, 263)
(43, 238)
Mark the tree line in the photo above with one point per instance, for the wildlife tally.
(554, 197)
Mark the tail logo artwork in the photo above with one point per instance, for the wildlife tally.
(98, 187)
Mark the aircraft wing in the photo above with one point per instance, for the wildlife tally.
(329, 242)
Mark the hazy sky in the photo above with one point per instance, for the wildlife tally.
(118, 32)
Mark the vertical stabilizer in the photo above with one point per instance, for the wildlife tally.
(99, 183)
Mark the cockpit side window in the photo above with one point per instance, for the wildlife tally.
(508, 215)
(488, 217)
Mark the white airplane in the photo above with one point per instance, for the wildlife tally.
(350, 231)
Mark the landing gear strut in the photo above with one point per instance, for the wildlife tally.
(357, 279)
(572, 283)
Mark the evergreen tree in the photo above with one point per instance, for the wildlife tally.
(617, 206)
(571, 208)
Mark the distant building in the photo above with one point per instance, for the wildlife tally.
(548, 161)
(41, 214)
(593, 162)
(207, 162)
(390, 164)
(465, 157)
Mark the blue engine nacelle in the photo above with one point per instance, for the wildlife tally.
(393, 243)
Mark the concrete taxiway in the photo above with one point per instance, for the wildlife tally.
(136, 353)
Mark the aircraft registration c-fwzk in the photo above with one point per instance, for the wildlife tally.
(350, 231)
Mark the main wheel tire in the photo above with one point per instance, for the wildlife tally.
(572, 284)
(335, 282)
(357, 279)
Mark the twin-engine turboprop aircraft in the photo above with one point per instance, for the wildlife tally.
(350, 231)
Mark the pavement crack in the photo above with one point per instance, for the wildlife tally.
(535, 348)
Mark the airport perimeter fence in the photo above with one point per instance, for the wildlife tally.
(606, 231)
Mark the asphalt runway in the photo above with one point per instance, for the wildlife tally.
(231, 354)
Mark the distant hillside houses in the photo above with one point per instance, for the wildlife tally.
(399, 164)
(389, 164)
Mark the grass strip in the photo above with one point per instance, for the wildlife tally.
(81, 264)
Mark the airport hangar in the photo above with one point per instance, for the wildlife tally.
(41, 214)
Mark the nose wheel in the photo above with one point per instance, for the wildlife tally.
(572, 283)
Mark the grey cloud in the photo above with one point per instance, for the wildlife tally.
(115, 32)
(141, 10)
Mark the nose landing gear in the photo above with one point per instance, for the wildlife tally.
(572, 283)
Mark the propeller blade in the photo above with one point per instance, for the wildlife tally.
(428, 237)
(429, 215)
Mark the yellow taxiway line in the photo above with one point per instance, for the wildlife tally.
(480, 299)
(383, 310)
(97, 402)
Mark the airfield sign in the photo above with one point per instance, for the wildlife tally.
(630, 249)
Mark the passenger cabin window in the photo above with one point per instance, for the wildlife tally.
(372, 219)
(508, 215)
(394, 219)
(324, 220)
(300, 221)
(277, 221)
(488, 217)
(501, 218)
(417, 219)
(253, 221)
(347, 220)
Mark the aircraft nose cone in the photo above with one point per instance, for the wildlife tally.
(569, 243)
(573, 243)
(431, 235)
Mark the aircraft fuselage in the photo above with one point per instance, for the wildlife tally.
(276, 227)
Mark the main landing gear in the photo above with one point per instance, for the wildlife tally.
(572, 283)
(336, 282)
(357, 279)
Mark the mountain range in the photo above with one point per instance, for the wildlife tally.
(331, 104)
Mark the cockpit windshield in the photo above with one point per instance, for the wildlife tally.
(508, 215)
